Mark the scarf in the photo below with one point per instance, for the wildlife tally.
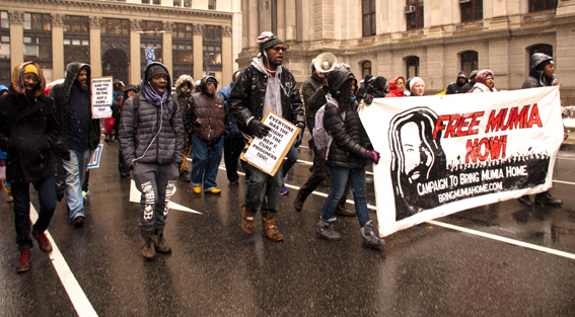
(152, 97)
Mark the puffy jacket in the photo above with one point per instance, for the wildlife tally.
(376, 87)
(234, 131)
(143, 142)
(309, 87)
(536, 77)
(28, 131)
(207, 116)
(180, 96)
(61, 95)
(455, 87)
(394, 91)
(249, 91)
(480, 85)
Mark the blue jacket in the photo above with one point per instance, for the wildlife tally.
(225, 93)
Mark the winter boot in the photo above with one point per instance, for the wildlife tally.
(299, 200)
(368, 237)
(43, 241)
(23, 264)
(148, 250)
(325, 230)
(545, 199)
(248, 221)
(159, 242)
(269, 229)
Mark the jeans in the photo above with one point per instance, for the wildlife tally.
(205, 162)
(156, 183)
(75, 173)
(256, 183)
(47, 196)
(291, 159)
(339, 178)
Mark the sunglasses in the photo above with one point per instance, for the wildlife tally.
(277, 49)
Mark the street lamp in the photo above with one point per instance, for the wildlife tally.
(206, 59)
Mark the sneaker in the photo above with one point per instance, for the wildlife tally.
(284, 191)
(9, 199)
(325, 230)
(23, 264)
(197, 189)
(368, 237)
(43, 241)
(85, 195)
(213, 191)
(78, 222)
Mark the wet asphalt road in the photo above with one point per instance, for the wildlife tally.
(214, 270)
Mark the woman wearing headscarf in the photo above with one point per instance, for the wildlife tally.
(485, 82)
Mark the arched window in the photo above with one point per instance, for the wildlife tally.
(469, 61)
(471, 10)
(368, 14)
(412, 66)
(540, 48)
(365, 68)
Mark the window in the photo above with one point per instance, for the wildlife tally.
(188, 3)
(368, 13)
(38, 39)
(37, 22)
(471, 10)
(211, 4)
(157, 1)
(365, 68)
(540, 48)
(542, 5)
(414, 14)
(4, 20)
(469, 61)
(177, 3)
(76, 24)
(212, 50)
(76, 39)
(145, 1)
(5, 68)
(182, 49)
(115, 26)
(412, 66)
(151, 28)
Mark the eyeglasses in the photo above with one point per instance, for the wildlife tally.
(277, 48)
(31, 77)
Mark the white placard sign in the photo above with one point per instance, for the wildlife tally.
(102, 97)
(267, 153)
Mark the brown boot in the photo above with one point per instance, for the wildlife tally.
(341, 211)
(299, 200)
(269, 230)
(23, 264)
(148, 250)
(159, 242)
(248, 221)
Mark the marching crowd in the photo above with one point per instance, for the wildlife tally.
(48, 140)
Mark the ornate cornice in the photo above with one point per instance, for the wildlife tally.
(226, 31)
(16, 17)
(95, 22)
(57, 20)
(198, 29)
(134, 25)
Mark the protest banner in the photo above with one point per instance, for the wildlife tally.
(268, 153)
(102, 97)
(444, 154)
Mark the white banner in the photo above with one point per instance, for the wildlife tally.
(444, 154)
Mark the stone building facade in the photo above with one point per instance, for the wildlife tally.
(189, 37)
(432, 39)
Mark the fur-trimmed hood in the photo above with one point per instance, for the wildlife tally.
(181, 81)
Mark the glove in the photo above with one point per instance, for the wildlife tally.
(258, 128)
(299, 138)
(373, 155)
(368, 99)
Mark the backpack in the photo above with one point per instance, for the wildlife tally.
(321, 138)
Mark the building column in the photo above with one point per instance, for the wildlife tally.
(58, 47)
(16, 38)
(499, 62)
(198, 54)
(135, 67)
(435, 80)
(95, 49)
(167, 49)
(227, 58)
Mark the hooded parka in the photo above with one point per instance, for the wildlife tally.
(536, 76)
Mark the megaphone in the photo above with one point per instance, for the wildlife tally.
(325, 62)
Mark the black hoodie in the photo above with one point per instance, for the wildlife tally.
(536, 77)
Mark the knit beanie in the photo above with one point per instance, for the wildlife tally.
(155, 70)
(30, 68)
(268, 40)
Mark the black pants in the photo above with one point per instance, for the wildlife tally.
(232, 149)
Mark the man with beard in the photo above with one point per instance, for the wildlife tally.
(207, 119)
(152, 144)
(28, 131)
(184, 86)
(79, 135)
(262, 86)
(456, 86)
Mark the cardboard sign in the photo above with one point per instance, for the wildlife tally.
(444, 154)
(102, 97)
(95, 159)
(268, 153)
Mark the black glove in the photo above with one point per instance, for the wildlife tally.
(368, 99)
(373, 155)
(299, 138)
(259, 129)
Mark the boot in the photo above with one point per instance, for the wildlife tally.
(368, 237)
(148, 250)
(269, 229)
(525, 200)
(341, 211)
(159, 242)
(248, 221)
(546, 199)
(23, 264)
(299, 200)
(43, 241)
(325, 230)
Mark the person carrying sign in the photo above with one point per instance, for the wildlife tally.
(262, 86)
(79, 134)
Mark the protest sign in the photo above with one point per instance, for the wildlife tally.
(95, 159)
(102, 97)
(444, 154)
(267, 153)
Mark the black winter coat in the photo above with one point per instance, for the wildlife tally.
(61, 95)
(28, 131)
(348, 149)
(309, 87)
(248, 94)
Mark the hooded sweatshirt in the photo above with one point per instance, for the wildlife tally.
(536, 74)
